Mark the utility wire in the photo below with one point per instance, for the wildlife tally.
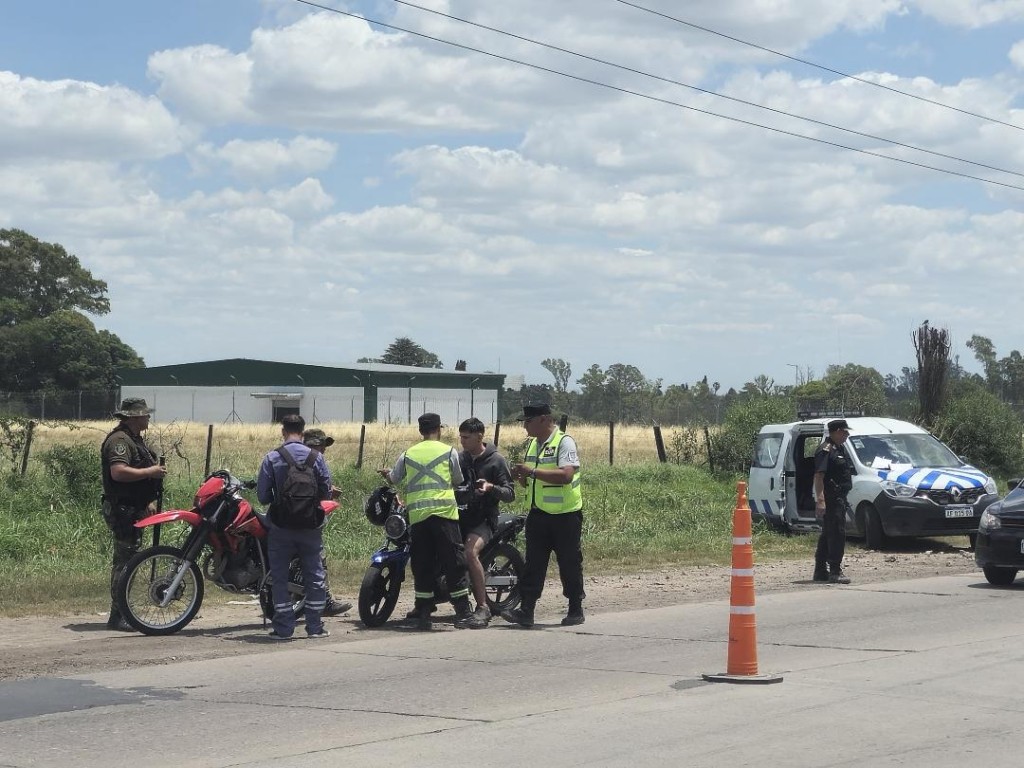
(819, 66)
(657, 99)
(735, 99)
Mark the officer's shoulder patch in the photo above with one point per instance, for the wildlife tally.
(121, 449)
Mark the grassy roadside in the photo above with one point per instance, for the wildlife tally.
(54, 547)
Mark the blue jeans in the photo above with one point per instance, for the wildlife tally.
(282, 545)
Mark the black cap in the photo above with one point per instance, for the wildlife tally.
(535, 409)
(429, 422)
(838, 424)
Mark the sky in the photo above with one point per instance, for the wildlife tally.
(272, 180)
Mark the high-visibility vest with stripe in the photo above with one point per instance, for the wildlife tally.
(553, 499)
(428, 482)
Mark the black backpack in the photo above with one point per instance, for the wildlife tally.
(297, 500)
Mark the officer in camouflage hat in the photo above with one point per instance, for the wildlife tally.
(131, 482)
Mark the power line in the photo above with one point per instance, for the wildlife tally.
(657, 99)
(735, 99)
(819, 66)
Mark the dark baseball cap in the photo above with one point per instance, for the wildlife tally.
(534, 409)
(838, 424)
(429, 422)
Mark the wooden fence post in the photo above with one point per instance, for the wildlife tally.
(707, 442)
(209, 450)
(660, 444)
(362, 441)
(611, 443)
(497, 432)
(28, 446)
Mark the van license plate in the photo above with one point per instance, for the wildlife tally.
(962, 511)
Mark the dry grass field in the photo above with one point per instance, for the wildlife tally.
(240, 447)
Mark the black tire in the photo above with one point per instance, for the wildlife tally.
(297, 588)
(874, 534)
(972, 541)
(143, 583)
(505, 565)
(378, 594)
(1000, 577)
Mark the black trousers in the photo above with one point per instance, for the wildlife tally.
(561, 534)
(437, 544)
(832, 540)
(121, 519)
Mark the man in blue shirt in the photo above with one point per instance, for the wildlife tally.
(289, 536)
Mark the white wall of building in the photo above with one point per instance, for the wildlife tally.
(249, 405)
(255, 405)
(453, 405)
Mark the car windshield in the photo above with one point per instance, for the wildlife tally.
(921, 450)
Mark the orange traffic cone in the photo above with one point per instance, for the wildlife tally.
(742, 662)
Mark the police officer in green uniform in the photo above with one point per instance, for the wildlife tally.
(428, 473)
(832, 481)
(131, 482)
(551, 476)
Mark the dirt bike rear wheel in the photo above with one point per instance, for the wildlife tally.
(143, 583)
(296, 586)
(503, 568)
(378, 594)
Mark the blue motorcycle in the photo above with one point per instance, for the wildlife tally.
(382, 582)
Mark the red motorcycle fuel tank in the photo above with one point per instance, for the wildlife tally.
(213, 487)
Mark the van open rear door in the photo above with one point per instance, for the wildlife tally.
(804, 439)
(766, 483)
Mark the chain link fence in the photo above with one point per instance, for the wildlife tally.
(60, 405)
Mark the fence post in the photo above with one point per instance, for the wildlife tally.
(362, 440)
(563, 422)
(659, 444)
(611, 443)
(28, 447)
(707, 442)
(497, 432)
(209, 449)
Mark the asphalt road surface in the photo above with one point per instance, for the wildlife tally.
(925, 672)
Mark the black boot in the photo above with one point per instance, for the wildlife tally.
(463, 612)
(116, 621)
(820, 572)
(575, 615)
(523, 615)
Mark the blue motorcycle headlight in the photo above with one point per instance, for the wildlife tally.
(395, 527)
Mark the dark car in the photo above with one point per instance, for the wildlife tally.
(1000, 546)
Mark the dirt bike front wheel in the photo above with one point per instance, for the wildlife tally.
(503, 568)
(378, 594)
(144, 583)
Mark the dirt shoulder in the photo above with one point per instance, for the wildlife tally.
(51, 646)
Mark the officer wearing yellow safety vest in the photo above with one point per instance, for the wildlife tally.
(551, 475)
(428, 473)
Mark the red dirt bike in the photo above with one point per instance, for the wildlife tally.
(161, 588)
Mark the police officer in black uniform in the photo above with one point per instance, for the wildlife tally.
(132, 478)
(833, 479)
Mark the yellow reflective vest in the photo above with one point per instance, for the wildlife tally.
(553, 499)
(428, 482)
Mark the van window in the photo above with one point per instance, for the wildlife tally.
(916, 450)
(766, 451)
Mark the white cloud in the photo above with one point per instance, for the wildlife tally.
(268, 159)
(71, 119)
(972, 13)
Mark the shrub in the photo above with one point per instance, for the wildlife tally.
(733, 446)
(983, 429)
(73, 468)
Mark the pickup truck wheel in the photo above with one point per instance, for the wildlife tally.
(874, 535)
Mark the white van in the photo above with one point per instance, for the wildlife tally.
(905, 481)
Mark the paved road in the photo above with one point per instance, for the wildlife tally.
(915, 673)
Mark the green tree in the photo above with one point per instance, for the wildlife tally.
(405, 351)
(560, 370)
(61, 351)
(853, 387)
(40, 279)
(980, 427)
(985, 353)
